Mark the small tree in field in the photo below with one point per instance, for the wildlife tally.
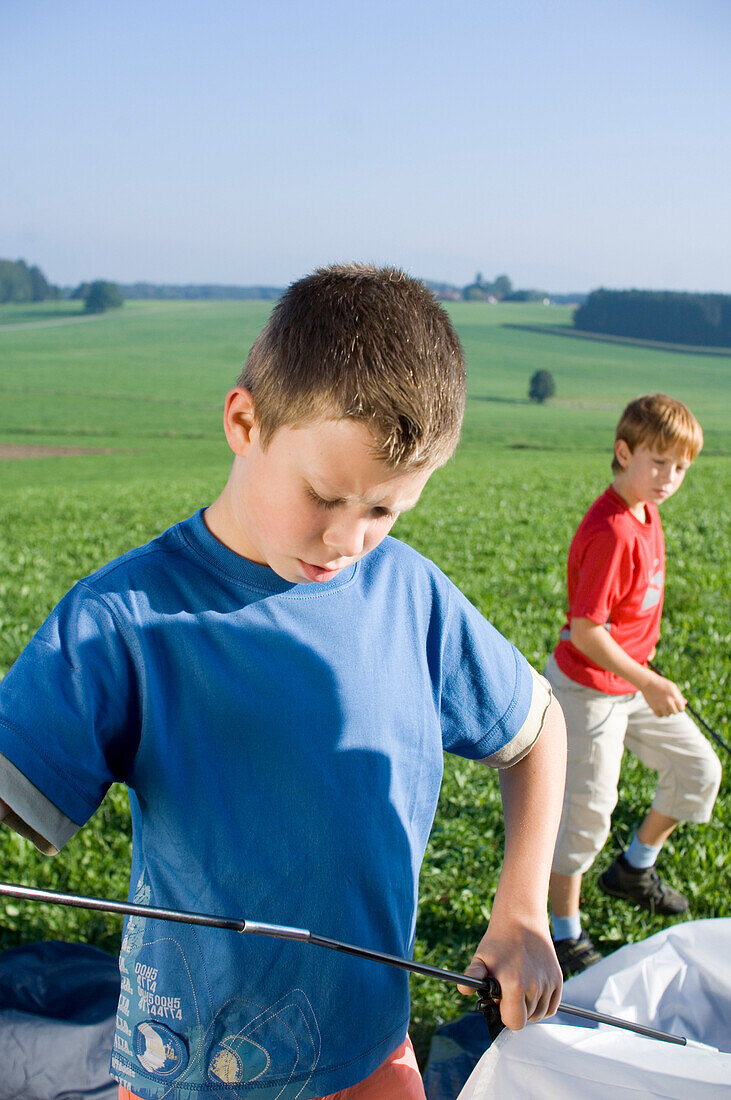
(541, 386)
(101, 296)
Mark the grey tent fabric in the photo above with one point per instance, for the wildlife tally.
(57, 1009)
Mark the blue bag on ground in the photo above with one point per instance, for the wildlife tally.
(58, 1003)
(455, 1050)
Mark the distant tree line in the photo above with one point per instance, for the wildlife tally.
(208, 291)
(482, 290)
(500, 289)
(189, 292)
(676, 318)
(21, 283)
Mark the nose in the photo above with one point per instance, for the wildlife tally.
(346, 536)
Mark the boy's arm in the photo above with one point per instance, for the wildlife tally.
(517, 949)
(595, 642)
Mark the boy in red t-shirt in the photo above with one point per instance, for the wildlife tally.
(610, 697)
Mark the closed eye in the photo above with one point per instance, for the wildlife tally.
(681, 467)
(328, 505)
(320, 501)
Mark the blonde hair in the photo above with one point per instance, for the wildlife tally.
(364, 343)
(661, 420)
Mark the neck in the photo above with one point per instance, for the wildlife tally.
(221, 521)
(633, 502)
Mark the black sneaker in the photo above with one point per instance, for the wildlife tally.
(643, 887)
(575, 955)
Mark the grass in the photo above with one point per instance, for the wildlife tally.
(147, 382)
(632, 341)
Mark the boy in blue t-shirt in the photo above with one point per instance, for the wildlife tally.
(275, 680)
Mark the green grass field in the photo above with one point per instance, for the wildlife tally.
(143, 388)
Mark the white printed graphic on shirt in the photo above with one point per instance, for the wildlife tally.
(144, 1007)
(160, 1031)
(156, 1052)
(159, 1050)
(653, 594)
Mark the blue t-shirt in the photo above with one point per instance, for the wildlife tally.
(282, 745)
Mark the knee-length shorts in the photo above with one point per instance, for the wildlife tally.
(599, 728)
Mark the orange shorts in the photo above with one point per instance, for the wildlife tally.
(397, 1078)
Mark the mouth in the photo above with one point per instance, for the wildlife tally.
(317, 573)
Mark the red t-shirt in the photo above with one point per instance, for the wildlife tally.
(616, 577)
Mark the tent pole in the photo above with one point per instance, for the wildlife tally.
(488, 988)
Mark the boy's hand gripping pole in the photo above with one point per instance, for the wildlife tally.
(698, 717)
(488, 988)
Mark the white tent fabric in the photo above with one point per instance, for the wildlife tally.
(678, 981)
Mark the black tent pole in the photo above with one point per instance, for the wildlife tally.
(488, 988)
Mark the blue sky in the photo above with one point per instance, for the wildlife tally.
(570, 144)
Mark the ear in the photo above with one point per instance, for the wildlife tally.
(239, 420)
(622, 452)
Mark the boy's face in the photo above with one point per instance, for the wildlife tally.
(649, 474)
(313, 501)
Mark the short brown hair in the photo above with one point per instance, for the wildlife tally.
(659, 419)
(368, 344)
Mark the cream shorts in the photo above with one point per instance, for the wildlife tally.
(599, 728)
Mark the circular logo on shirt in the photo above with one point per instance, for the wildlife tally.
(225, 1065)
(159, 1050)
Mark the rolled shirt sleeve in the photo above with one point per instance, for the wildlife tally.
(30, 814)
(531, 729)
